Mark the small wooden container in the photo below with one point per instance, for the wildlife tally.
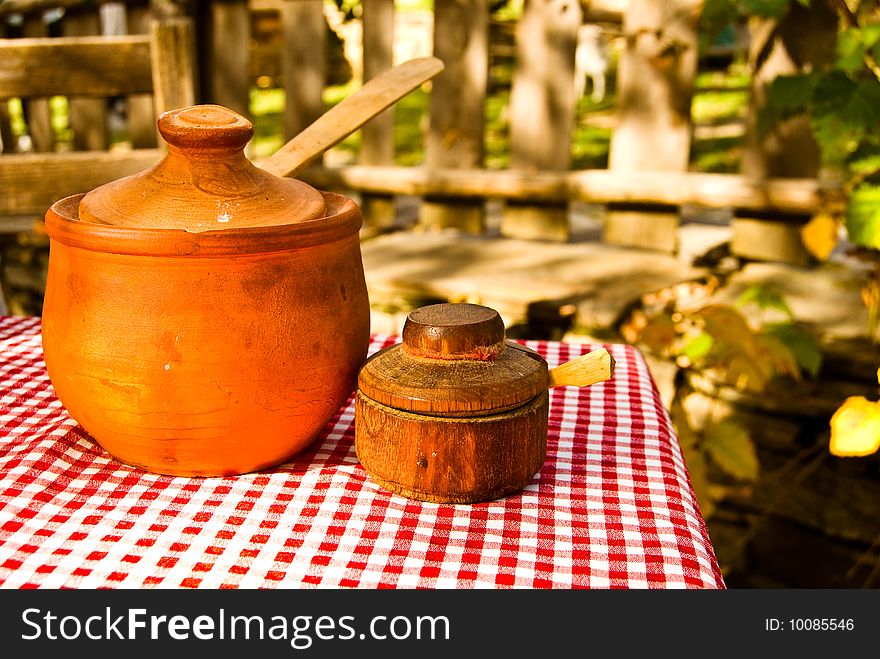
(454, 413)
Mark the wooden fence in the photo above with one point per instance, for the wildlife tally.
(647, 179)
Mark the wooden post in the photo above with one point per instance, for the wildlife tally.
(7, 139)
(377, 135)
(455, 134)
(37, 113)
(142, 131)
(172, 64)
(542, 109)
(227, 78)
(788, 149)
(303, 63)
(655, 82)
(88, 116)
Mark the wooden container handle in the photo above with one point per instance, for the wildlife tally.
(595, 366)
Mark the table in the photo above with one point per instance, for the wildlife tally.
(612, 507)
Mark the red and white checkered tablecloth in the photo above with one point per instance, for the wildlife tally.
(612, 507)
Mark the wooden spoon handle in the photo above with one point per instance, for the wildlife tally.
(595, 366)
(351, 113)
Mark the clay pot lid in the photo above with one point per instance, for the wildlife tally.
(204, 183)
(454, 361)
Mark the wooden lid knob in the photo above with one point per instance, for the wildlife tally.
(453, 361)
(454, 331)
(205, 127)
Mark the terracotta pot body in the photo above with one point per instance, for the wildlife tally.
(203, 353)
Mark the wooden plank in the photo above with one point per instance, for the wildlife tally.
(542, 108)
(88, 116)
(377, 135)
(455, 132)
(173, 63)
(227, 77)
(770, 239)
(655, 86)
(601, 186)
(32, 182)
(8, 7)
(304, 63)
(648, 227)
(86, 66)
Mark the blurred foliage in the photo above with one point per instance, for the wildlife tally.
(747, 346)
(842, 102)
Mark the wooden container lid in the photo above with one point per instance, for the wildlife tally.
(454, 361)
(204, 183)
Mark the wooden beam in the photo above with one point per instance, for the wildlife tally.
(8, 7)
(602, 186)
(32, 182)
(75, 66)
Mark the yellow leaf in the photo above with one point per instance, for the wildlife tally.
(855, 428)
(820, 235)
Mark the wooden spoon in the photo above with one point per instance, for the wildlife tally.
(595, 366)
(351, 113)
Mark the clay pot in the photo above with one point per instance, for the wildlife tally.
(455, 413)
(204, 317)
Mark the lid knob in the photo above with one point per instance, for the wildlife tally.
(454, 331)
(205, 127)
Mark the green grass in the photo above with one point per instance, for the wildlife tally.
(719, 97)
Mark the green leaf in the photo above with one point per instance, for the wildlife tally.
(852, 46)
(793, 93)
(764, 8)
(764, 297)
(863, 216)
(802, 344)
(698, 347)
(865, 163)
(730, 447)
(787, 95)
